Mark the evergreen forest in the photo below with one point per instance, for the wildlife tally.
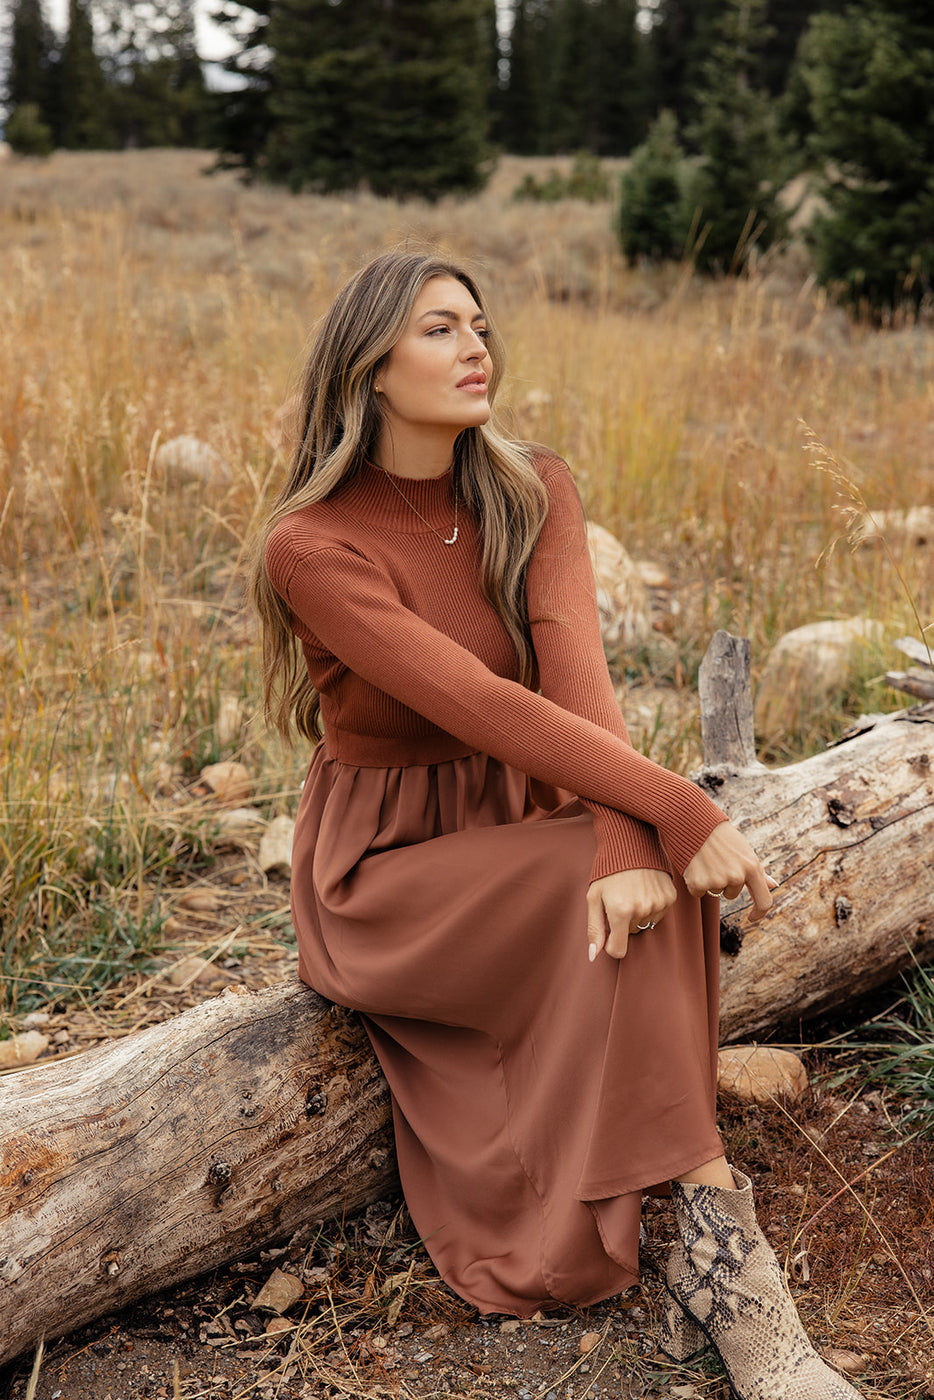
(716, 106)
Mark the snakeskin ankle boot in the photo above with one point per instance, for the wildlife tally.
(725, 1286)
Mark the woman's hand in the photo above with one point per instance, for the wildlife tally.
(621, 904)
(726, 864)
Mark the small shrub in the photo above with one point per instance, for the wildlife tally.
(27, 133)
(586, 180)
(653, 217)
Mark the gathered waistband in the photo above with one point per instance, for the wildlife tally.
(376, 751)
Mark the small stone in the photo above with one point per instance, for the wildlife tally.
(849, 1362)
(653, 575)
(22, 1049)
(683, 1392)
(511, 1326)
(165, 778)
(759, 1074)
(231, 783)
(61, 1038)
(200, 901)
(276, 1325)
(275, 849)
(914, 526)
(187, 458)
(229, 720)
(189, 970)
(280, 1292)
(588, 1341)
(36, 1021)
(435, 1333)
(809, 666)
(622, 601)
(241, 821)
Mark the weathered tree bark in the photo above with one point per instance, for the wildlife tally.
(159, 1156)
(154, 1158)
(849, 835)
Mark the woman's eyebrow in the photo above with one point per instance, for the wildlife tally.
(451, 315)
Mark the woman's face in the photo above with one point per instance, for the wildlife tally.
(435, 376)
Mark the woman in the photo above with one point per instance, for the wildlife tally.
(522, 908)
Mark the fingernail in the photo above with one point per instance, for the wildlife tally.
(592, 952)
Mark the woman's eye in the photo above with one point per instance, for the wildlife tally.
(482, 332)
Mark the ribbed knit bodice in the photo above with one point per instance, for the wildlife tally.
(415, 667)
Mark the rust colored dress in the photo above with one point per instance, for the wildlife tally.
(450, 824)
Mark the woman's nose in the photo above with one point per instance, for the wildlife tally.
(475, 348)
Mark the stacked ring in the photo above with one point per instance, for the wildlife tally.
(642, 927)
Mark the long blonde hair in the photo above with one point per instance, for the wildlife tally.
(339, 420)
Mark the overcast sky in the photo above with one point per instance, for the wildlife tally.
(212, 41)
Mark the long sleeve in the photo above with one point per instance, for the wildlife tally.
(354, 610)
(571, 661)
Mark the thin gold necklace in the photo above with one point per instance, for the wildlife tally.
(453, 540)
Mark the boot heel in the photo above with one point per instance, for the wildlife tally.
(680, 1337)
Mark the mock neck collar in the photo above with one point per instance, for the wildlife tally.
(411, 505)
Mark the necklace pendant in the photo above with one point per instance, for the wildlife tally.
(453, 539)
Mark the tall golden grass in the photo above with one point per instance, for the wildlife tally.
(142, 300)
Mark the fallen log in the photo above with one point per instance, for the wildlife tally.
(162, 1155)
(157, 1157)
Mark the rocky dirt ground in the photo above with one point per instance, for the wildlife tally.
(846, 1199)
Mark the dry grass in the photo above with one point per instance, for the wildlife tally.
(142, 300)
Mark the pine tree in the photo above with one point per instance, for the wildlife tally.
(83, 91)
(27, 77)
(787, 21)
(734, 190)
(653, 217)
(577, 78)
(679, 45)
(155, 74)
(620, 78)
(573, 94)
(520, 123)
(390, 93)
(238, 121)
(870, 75)
(488, 26)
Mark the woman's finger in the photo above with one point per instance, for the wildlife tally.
(596, 926)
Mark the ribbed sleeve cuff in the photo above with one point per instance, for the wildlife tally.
(698, 816)
(624, 843)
